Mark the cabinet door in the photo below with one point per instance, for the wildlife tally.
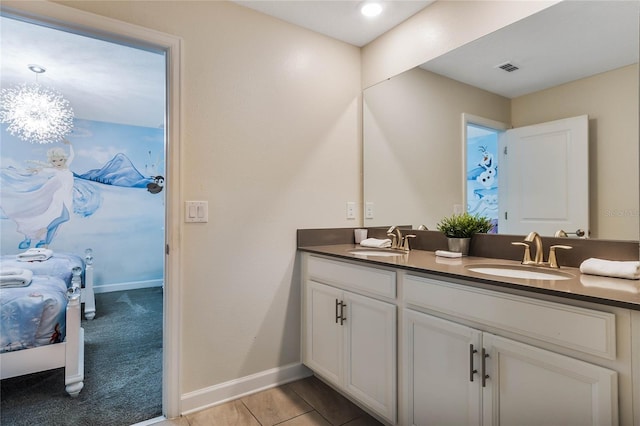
(439, 363)
(370, 343)
(323, 334)
(532, 386)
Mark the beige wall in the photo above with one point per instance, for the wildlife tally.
(611, 101)
(271, 138)
(437, 29)
(413, 145)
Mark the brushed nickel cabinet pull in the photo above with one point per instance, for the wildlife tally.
(472, 370)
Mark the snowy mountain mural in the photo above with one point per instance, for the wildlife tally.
(119, 171)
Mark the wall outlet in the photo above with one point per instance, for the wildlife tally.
(368, 210)
(351, 210)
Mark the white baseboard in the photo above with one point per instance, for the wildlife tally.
(234, 389)
(133, 285)
(153, 421)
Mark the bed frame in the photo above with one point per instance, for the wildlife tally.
(87, 295)
(68, 354)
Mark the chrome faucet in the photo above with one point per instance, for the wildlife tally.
(535, 238)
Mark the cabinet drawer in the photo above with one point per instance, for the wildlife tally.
(580, 329)
(347, 275)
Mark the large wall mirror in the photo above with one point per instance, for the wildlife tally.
(573, 59)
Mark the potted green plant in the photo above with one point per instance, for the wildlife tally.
(459, 228)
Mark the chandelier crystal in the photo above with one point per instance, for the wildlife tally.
(35, 113)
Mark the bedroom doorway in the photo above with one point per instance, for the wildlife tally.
(158, 175)
(480, 160)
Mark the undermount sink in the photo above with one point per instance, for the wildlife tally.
(520, 271)
(376, 252)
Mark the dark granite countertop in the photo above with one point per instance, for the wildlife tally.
(591, 288)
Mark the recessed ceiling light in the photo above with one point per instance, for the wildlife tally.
(371, 9)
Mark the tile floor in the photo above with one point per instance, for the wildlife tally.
(306, 402)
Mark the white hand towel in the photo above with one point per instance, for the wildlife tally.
(611, 268)
(13, 277)
(6, 272)
(32, 254)
(445, 253)
(376, 242)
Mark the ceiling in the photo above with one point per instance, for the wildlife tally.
(103, 81)
(341, 20)
(566, 42)
(114, 83)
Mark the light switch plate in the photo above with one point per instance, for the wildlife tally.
(196, 211)
(351, 210)
(368, 210)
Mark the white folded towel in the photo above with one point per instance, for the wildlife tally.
(376, 242)
(445, 253)
(15, 277)
(611, 268)
(35, 254)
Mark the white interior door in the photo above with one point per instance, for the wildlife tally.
(544, 182)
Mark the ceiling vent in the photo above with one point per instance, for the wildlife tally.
(508, 67)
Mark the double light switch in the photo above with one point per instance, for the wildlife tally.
(196, 211)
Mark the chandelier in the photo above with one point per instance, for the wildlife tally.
(35, 113)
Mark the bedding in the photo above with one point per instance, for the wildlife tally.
(40, 326)
(58, 265)
(33, 315)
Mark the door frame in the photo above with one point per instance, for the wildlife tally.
(108, 29)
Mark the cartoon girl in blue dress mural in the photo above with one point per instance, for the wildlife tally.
(39, 212)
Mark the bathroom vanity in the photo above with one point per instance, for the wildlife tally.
(417, 339)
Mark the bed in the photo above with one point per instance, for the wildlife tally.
(61, 265)
(40, 321)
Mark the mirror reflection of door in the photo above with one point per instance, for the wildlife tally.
(544, 180)
(532, 178)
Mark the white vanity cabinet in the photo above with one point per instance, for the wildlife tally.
(349, 330)
(417, 348)
(460, 374)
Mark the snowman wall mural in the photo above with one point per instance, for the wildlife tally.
(482, 176)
